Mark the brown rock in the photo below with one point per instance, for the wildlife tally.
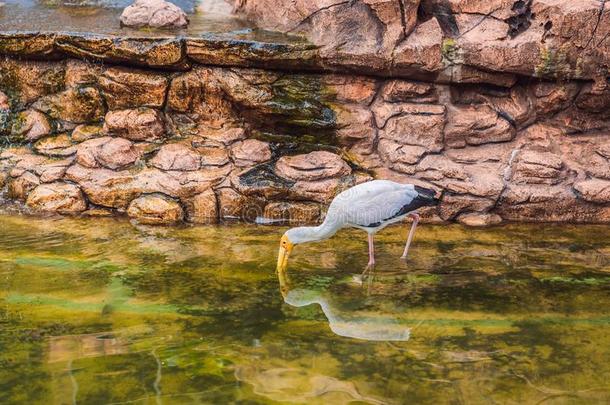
(213, 155)
(20, 187)
(293, 212)
(468, 125)
(356, 128)
(544, 203)
(351, 89)
(63, 198)
(31, 125)
(115, 189)
(176, 156)
(130, 88)
(30, 80)
(117, 153)
(164, 52)
(80, 73)
(553, 97)
(250, 152)
(59, 146)
(312, 166)
(422, 50)
(226, 136)
(203, 208)
(395, 91)
(454, 205)
(322, 191)
(155, 209)
(536, 167)
(85, 132)
(104, 187)
(235, 206)
(142, 124)
(154, 13)
(52, 170)
(479, 219)
(594, 190)
(76, 105)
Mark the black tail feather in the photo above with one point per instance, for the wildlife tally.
(427, 196)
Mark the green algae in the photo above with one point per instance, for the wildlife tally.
(102, 311)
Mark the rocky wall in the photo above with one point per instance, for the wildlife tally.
(216, 143)
(501, 106)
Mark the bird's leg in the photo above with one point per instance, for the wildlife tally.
(371, 251)
(411, 233)
(371, 263)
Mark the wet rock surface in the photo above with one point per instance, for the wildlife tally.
(155, 209)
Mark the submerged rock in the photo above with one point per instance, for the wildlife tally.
(155, 209)
(154, 13)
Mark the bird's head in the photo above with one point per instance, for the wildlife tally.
(286, 246)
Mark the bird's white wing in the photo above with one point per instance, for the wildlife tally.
(371, 204)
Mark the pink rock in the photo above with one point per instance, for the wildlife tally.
(20, 187)
(154, 13)
(63, 198)
(141, 124)
(117, 153)
(250, 152)
(32, 125)
(470, 125)
(176, 156)
(537, 167)
(112, 153)
(594, 190)
(312, 166)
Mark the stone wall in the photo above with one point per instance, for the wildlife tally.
(204, 129)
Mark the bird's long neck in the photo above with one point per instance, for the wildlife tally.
(314, 233)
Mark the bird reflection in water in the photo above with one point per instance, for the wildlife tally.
(356, 325)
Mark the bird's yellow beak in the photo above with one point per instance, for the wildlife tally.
(284, 253)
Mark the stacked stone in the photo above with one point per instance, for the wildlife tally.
(483, 102)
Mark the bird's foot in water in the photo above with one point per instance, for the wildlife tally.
(403, 257)
(359, 278)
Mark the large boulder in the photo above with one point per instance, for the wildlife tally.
(155, 209)
(63, 198)
(154, 13)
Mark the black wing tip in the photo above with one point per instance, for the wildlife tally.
(427, 195)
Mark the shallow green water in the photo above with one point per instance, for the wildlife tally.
(101, 311)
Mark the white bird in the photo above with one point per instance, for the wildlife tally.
(369, 206)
